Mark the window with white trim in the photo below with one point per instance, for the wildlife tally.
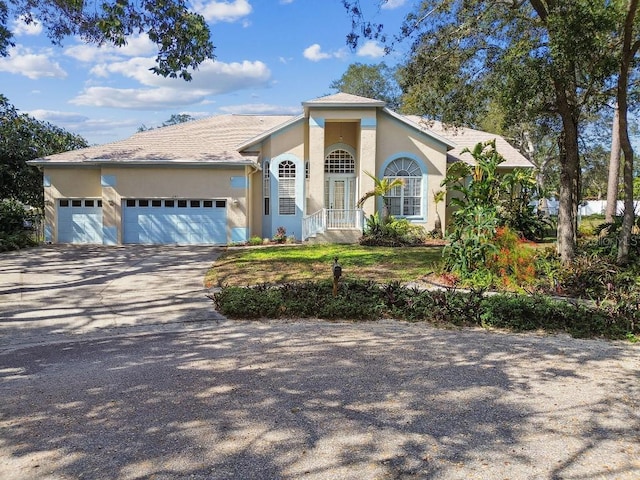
(287, 188)
(266, 188)
(405, 201)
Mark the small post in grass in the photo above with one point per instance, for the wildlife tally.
(337, 273)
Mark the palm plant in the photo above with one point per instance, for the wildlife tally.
(439, 197)
(381, 188)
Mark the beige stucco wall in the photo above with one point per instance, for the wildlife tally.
(150, 183)
(396, 138)
(83, 182)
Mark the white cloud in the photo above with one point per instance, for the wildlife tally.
(223, 11)
(136, 98)
(315, 53)
(372, 49)
(93, 129)
(20, 27)
(261, 108)
(212, 78)
(57, 117)
(286, 2)
(137, 45)
(23, 61)
(391, 4)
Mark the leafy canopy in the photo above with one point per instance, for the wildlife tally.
(24, 138)
(371, 81)
(181, 35)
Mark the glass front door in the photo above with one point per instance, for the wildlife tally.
(340, 201)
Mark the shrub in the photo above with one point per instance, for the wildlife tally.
(514, 262)
(255, 241)
(281, 235)
(397, 232)
(361, 300)
(13, 234)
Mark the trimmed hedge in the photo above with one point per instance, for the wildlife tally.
(361, 300)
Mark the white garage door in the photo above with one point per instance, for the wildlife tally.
(79, 220)
(170, 221)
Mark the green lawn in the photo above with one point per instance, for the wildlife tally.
(277, 264)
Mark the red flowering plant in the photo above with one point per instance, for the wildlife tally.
(513, 264)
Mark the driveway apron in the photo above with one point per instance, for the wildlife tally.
(77, 289)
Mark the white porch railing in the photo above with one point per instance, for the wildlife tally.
(331, 219)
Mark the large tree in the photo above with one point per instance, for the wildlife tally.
(24, 138)
(182, 36)
(630, 44)
(543, 60)
(372, 81)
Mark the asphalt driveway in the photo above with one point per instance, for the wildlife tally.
(65, 290)
(109, 370)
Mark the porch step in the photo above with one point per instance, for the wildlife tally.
(351, 235)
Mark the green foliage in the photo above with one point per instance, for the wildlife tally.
(360, 300)
(14, 233)
(24, 138)
(181, 36)
(524, 313)
(255, 241)
(371, 81)
(485, 201)
(357, 300)
(382, 187)
(474, 222)
(396, 232)
(518, 191)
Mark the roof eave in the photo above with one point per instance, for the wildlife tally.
(147, 163)
(259, 138)
(450, 145)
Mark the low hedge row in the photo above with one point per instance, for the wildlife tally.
(362, 300)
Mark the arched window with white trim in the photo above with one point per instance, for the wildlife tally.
(405, 201)
(287, 188)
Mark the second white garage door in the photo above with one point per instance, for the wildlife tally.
(170, 221)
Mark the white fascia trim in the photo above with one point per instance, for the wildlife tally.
(259, 138)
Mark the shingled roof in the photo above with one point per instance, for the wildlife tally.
(210, 140)
(468, 138)
(227, 139)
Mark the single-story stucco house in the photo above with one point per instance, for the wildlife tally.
(227, 178)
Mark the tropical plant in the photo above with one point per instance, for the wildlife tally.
(438, 197)
(381, 188)
(476, 191)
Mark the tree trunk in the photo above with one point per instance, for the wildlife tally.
(629, 49)
(569, 178)
(614, 168)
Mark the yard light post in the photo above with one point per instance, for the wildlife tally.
(337, 273)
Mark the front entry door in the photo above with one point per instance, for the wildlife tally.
(340, 201)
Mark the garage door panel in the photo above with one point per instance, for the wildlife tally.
(79, 224)
(184, 224)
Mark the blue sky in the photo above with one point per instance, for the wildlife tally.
(271, 55)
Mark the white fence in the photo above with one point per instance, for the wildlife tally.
(592, 207)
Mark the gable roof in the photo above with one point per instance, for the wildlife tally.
(212, 140)
(227, 139)
(343, 100)
(468, 138)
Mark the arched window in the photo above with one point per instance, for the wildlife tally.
(339, 161)
(287, 188)
(405, 201)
